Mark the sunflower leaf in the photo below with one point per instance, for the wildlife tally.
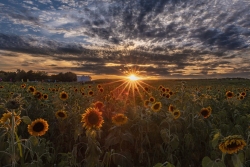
(207, 162)
(26, 120)
(215, 139)
(33, 140)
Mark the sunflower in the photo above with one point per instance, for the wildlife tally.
(159, 87)
(75, 90)
(176, 114)
(241, 97)
(13, 104)
(232, 144)
(45, 96)
(31, 89)
(99, 86)
(101, 90)
(63, 95)
(90, 93)
(243, 94)
(206, 112)
(23, 85)
(92, 118)
(61, 114)
(99, 105)
(38, 95)
(229, 94)
(119, 119)
(171, 108)
(167, 95)
(152, 99)
(163, 89)
(7, 117)
(156, 106)
(1, 87)
(82, 90)
(146, 103)
(146, 89)
(170, 92)
(38, 127)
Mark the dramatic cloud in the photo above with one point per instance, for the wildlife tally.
(163, 38)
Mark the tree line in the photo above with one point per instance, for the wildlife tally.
(21, 75)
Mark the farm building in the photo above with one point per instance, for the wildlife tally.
(83, 78)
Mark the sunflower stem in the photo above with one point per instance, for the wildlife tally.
(223, 157)
(12, 139)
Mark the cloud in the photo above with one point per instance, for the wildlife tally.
(194, 37)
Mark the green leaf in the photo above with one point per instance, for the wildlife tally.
(26, 120)
(158, 165)
(215, 139)
(33, 140)
(207, 162)
(236, 160)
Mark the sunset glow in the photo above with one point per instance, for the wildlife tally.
(133, 77)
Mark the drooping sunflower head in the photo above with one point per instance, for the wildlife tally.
(99, 105)
(232, 144)
(61, 114)
(31, 89)
(229, 94)
(38, 127)
(6, 119)
(156, 106)
(119, 119)
(176, 114)
(92, 118)
(63, 96)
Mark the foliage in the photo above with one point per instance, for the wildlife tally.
(206, 118)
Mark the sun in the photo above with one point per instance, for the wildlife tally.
(133, 77)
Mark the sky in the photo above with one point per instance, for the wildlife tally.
(105, 38)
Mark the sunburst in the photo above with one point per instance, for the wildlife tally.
(130, 85)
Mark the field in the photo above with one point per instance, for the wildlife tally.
(156, 123)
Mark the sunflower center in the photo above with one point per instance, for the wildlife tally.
(204, 112)
(64, 96)
(119, 119)
(176, 113)
(156, 106)
(38, 127)
(93, 118)
(232, 145)
(61, 114)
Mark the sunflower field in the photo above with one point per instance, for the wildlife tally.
(161, 123)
